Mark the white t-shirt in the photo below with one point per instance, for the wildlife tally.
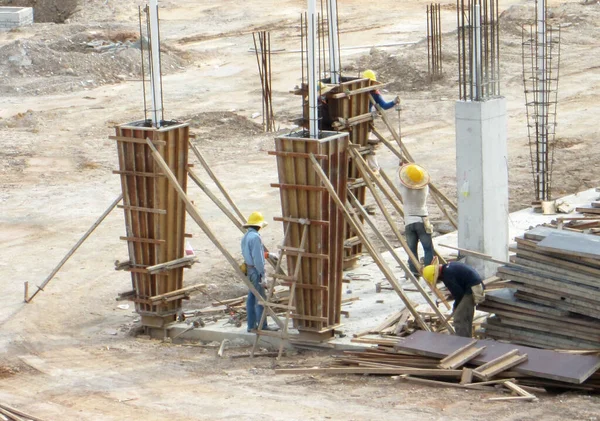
(415, 203)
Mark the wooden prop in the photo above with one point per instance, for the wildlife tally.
(368, 175)
(409, 158)
(356, 226)
(401, 263)
(193, 212)
(214, 178)
(73, 249)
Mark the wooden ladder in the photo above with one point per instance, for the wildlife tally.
(284, 334)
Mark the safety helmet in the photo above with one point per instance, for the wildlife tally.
(369, 74)
(431, 273)
(256, 219)
(413, 176)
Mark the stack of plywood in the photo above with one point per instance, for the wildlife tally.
(453, 361)
(553, 300)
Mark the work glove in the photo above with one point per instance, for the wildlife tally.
(478, 294)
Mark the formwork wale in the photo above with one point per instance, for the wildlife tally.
(154, 214)
(318, 286)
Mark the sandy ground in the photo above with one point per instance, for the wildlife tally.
(69, 354)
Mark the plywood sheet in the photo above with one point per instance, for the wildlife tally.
(541, 363)
(572, 244)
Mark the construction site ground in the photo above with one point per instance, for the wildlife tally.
(72, 354)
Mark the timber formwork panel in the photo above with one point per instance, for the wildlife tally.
(154, 214)
(345, 109)
(317, 300)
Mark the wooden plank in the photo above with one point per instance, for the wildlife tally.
(173, 264)
(445, 384)
(500, 364)
(461, 356)
(138, 174)
(297, 187)
(139, 209)
(19, 412)
(594, 209)
(312, 318)
(373, 370)
(300, 221)
(135, 140)
(296, 155)
(467, 376)
(142, 240)
(541, 362)
(186, 290)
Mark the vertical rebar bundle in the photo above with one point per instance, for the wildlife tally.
(151, 67)
(478, 49)
(326, 52)
(434, 41)
(541, 60)
(262, 46)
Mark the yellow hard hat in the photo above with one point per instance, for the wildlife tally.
(369, 74)
(256, 219)
(415, 173)
(431, 273)
(413, 176)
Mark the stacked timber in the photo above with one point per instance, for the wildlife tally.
(444, 360)
(553, 295)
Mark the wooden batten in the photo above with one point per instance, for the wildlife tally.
(154, 214)
(318, 295)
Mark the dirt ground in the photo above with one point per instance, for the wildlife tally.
(70, 354)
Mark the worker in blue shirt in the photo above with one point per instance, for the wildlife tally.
(465, 285)
(373, 142)
(253, 252)
(376, 95)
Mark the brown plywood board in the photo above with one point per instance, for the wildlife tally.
(541, 362)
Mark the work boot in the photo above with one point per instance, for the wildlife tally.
(270, 328)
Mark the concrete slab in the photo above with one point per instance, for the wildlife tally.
(372, 308)
(14, 17)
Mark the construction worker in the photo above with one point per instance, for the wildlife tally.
(376, 95)
(414, 188)
(465, 285)
(325, 120)
(373, 142)
(253, 252)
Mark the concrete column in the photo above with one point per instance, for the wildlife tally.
(482, 180)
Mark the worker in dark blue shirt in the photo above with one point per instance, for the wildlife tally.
(465, 285)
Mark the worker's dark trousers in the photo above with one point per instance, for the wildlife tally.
(463, 316)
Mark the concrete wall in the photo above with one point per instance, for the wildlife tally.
(482, 180)
(14, 17)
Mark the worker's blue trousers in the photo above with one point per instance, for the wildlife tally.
(253, 309)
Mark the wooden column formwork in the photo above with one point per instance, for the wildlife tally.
(318, 293)
(154, 214)
(348, 106)
(344, 107)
